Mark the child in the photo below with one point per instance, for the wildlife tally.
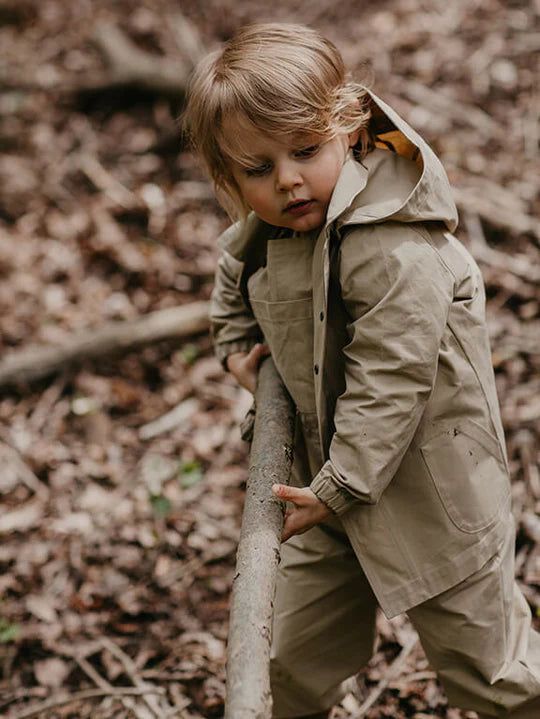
(343, 266)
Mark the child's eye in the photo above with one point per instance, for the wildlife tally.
(308, 151)
(257, 171)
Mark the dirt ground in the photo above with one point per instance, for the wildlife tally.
(118, 538)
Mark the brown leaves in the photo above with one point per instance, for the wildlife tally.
(121, 481)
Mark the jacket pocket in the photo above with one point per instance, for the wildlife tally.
(467, 467)
(288, 330)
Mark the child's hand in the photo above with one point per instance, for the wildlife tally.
(308, 511)
(244, 365)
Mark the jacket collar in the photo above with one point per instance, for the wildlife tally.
(351, 181)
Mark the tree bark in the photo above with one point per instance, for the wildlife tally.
(35, 362)
(248, 680)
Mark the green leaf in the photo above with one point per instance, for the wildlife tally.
(190, 473)
(189, 353)
(8, 632)
(160, 504)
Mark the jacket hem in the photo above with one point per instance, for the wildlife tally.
(441, 578)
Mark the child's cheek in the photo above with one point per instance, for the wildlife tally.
(258, 200)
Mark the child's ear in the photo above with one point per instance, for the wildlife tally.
(353, 138)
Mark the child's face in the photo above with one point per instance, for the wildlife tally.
(290, 179)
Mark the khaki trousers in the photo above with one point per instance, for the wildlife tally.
(477, 635)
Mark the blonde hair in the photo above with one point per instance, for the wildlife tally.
(280, 78)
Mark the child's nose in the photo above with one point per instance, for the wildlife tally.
(287, 177)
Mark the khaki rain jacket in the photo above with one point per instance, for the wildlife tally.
(414, 460)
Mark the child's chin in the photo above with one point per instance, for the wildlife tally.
(307, 223)
(307, 226)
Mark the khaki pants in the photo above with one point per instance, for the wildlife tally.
(477, 635)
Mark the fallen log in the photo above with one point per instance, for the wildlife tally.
(35, 362)
(250, 629)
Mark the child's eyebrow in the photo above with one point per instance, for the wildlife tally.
(247, 159)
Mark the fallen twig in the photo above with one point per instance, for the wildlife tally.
(392, 671)
(170, 420)
(458, 111)
(90, 672)
(128, 64)
(62, 700)
(104, 181)
(131, 671)
(34, 362)
(96, 677)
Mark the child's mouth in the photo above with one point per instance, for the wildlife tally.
(298, 207)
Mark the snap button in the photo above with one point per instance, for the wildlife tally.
(321, 316)
(316, 369)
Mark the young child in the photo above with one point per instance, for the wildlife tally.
(343, 266)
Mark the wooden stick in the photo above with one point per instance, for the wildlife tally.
(248, 680)
(32, 363)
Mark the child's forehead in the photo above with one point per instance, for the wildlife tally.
(242, 138)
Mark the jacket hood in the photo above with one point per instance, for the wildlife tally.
(401, 179)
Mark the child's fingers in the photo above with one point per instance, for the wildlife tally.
(260, 349)
(280, 490)
(295, 522)
(255, 355)
(291, 494)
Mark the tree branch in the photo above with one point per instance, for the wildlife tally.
(250, 632)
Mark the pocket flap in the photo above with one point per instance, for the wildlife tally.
(467, 467)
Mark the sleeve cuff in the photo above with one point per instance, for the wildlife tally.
(224, 349)
(336, 497)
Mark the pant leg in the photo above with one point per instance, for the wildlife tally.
(479, 638)
(324, 623)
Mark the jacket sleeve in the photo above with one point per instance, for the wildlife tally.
(232, 324)
(397, 292)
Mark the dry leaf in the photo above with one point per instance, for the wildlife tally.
(51, 672)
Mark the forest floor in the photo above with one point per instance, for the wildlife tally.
(117, 542)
